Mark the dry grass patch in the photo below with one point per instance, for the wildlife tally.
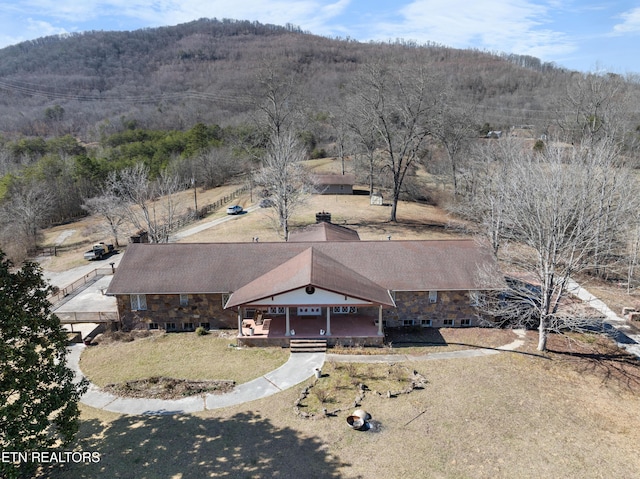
(180, 355)
(415, 221)
(501, 416)
(418, 340)
(344, 386)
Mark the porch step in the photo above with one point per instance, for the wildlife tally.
(308, 345)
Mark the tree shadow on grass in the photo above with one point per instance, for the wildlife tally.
(414, 336)
(245, 445)
(418, 336)
(611, 366)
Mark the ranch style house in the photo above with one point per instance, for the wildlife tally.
(323, 283)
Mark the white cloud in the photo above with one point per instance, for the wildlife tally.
(36, 28)
(171, 12)
(516, 26)
(630, 24)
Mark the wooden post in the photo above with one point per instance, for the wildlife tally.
(380, 333)
(328, 332)
(240, 321)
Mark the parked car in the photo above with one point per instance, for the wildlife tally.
(266, 203)
(234, 210)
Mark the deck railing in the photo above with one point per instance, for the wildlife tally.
(61, 293)
(88, 317)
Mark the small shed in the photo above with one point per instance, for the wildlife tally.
(335, 184)
(376, 199)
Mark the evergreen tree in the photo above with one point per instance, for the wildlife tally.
(38, 396)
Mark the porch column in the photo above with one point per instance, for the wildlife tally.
(240, 321)
(287, 326)
(328, 331)
(380, 333)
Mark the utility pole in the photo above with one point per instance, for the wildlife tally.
(195, 196)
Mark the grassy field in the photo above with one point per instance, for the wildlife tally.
(569, 413)
(415, 221)
(181, 356)
(572, 413)
(189, 356)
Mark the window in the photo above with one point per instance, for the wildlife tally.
(309, 310)
(138, 302)
(448, 322)
(170, 326)
(465, 322)
(154, 326)
(344, 309)
(425, 323)
(249, 313)
(407, 322)
(433, 296)
(184, 300)
(205, 326)
(187, 326)
(276, 310)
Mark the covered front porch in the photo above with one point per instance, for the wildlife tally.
(348, 330)
(311, 296)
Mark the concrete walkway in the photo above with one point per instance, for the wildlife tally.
(613, 324)
(300, 366)
(395, 358)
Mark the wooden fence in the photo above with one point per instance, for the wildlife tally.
(189, 217)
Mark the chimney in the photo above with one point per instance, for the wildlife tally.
(323, 217)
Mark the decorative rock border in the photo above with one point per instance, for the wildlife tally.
(417, 381)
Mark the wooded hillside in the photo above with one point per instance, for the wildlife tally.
(198, 103)
(174, 77)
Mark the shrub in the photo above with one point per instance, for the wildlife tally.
(323, 395)
(200, 331)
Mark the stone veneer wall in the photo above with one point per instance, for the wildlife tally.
(166, 308)
(454, 305)
(207, 308)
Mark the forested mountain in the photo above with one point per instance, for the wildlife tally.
(173, 77)
(78, 109)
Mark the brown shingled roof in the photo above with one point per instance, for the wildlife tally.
(323, 232)
(311, 268)
(436, 265)
(335, 179)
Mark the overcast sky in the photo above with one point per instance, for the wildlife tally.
(585, 35)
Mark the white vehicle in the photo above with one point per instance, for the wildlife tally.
(234, 210)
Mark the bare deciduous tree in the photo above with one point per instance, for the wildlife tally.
(396, 102)
(453, 128)
(285, 178)
(560, 210)
(214, 166)
(109, 206)
(593, 106)
(149, 206)
(28, 207)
